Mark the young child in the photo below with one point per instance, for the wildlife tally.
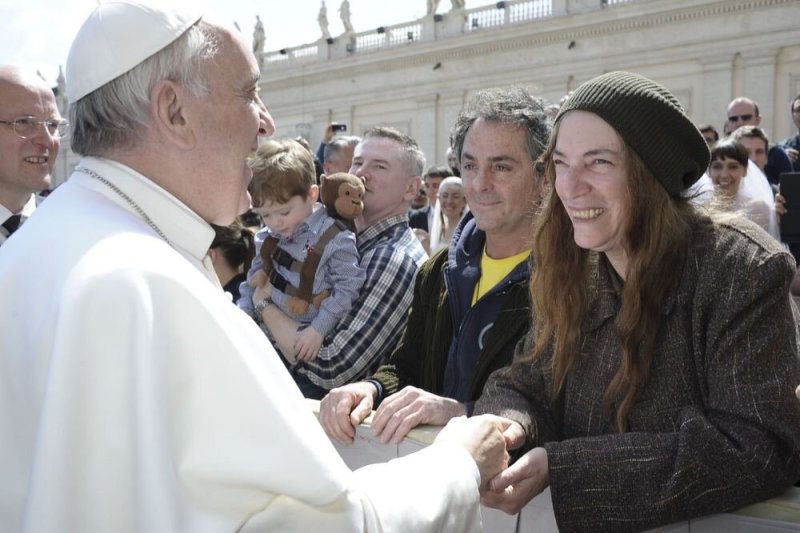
(285, 196)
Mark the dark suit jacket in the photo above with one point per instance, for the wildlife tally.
(418, 218)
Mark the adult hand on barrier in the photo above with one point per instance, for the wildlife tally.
(344, 408)
(404, 410)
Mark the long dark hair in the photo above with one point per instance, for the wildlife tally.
(562, 286)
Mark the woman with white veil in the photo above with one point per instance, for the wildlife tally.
(448, 211)
(736, 184)
(756, 192)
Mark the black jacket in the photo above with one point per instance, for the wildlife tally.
(418, 218)
(430, 337)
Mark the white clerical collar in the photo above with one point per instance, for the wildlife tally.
(181, 226)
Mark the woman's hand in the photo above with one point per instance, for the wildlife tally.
(514, 487)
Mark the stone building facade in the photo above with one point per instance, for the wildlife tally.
(416, 75)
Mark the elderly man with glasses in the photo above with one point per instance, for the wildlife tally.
(30, 132)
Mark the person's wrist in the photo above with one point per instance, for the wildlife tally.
(376, 389)
(258, 310)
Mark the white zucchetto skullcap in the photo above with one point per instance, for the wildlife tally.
(117, 36)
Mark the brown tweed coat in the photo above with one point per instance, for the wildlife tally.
(716, 427)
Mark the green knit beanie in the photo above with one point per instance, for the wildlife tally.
(651, 121)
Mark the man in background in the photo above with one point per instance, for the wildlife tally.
(743, 112)
(338, 154)
(423, 218)
(709, 133)
(792, 144)
(30, 135)
(755, 141)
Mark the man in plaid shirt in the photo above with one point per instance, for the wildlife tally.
(391, 164)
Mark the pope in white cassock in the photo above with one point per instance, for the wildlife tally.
(135, 396)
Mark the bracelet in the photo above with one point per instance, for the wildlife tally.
(258, 310)
(377, 384)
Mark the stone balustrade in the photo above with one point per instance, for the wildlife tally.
(781, 514)
(429, 28)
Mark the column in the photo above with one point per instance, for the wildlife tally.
(450, 105)
(716, 91)
(424, 128)
(760, 82)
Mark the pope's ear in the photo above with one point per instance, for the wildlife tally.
(168, 109)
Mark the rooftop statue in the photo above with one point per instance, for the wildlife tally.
(322, 19)
(434, 4)
(344, 12)
(258, 36)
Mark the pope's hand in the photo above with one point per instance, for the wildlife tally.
(482, 436)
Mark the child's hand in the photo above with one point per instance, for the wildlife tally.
(262, 292)
(296, 306)
(317, 301)
(258, 279)
(307, 344)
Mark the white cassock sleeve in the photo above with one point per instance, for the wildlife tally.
(166, 409)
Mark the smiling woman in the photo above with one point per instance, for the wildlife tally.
(657, 382)
(448, 211)
(591, 181)
(740, 187)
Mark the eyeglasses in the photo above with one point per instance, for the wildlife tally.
(26, 127)
(737, 118)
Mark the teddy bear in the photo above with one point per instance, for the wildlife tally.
(343, 197)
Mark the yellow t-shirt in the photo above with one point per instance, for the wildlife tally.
(494, 270)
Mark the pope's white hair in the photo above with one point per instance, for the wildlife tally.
(115, 115)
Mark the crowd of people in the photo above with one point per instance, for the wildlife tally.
(585, 302)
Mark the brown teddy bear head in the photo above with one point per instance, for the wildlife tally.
(343, 195)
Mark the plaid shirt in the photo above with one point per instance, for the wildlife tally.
(391, 254)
